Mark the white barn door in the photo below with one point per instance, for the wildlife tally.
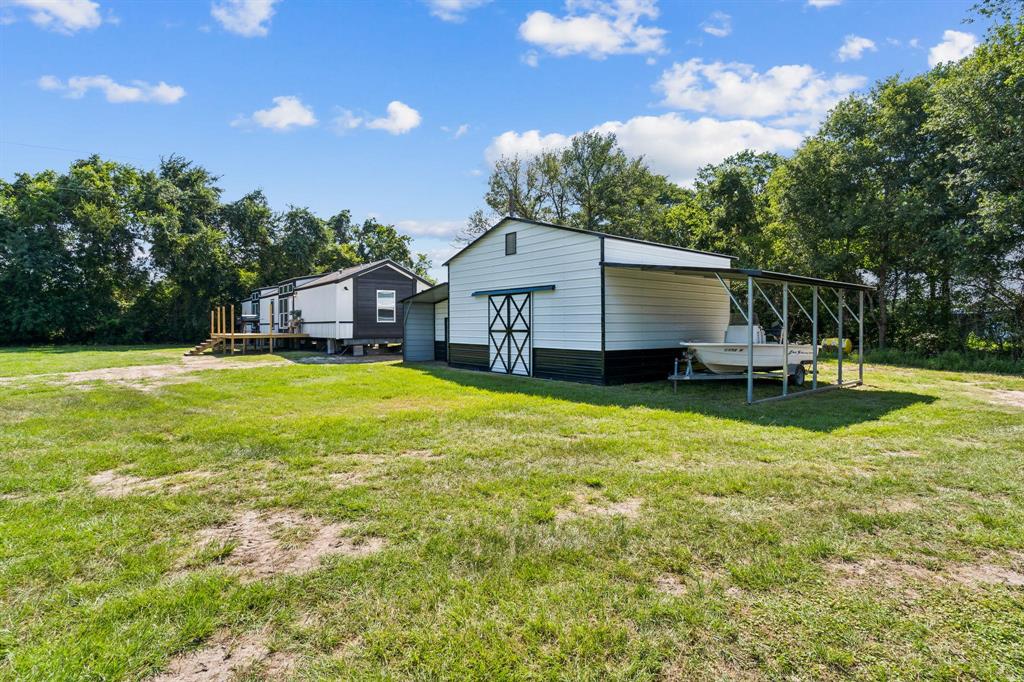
(509, 342)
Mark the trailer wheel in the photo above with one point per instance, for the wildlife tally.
(799, 374)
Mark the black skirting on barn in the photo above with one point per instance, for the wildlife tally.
(582, 366)
(631, 366)
(468, 356)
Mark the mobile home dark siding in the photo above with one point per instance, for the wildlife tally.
(468, 356)
(440, 350)
(583, 366)
(648, 364)
(364, 301)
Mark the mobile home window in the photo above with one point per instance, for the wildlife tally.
(510, 244)
(385, 305)
(282, 312)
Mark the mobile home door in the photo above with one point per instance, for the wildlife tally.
(510, 344)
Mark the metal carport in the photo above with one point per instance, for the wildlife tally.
(753, 278)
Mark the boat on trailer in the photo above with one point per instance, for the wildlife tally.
(730, 357)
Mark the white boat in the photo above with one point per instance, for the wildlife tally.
(731, 357)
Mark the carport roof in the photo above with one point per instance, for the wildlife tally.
(434, 294)
(742, 274)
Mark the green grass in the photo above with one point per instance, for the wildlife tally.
(22, 361)
(754, 511)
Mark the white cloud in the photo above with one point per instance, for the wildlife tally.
(719, 24)
(430, 228)
(525, 144)
(138, 91)
(531, 58)
(955, 46)
(672, 145)
(823, 3)
(401, 119)
(794, 94)
(63, 16)
(453, 10)
(288, 112)
(345, 121)
(457, 132)
(854, 47)
(249, 18)
(915, 43)
(596, 28)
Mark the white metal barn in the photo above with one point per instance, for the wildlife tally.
(550, 301)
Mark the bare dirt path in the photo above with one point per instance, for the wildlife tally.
(148, 377)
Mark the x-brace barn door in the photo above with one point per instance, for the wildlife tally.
(508, 331)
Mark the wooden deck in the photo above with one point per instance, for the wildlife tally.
(222, 332)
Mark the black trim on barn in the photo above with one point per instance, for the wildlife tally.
(563, 364)
(440, 351)
(468, 355)
(639, 365)
(603, 326)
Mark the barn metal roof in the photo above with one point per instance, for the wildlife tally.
(742, 274)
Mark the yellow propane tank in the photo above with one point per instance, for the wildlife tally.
(833, 343)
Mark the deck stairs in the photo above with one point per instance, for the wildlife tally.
(201, 348)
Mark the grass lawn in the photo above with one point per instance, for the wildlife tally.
(41, 359)
(381, 521)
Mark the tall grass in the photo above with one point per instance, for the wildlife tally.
(956, 361)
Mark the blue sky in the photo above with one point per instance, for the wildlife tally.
(395, 109)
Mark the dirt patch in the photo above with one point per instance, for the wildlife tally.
(265, 544)
(347, 479)
(901, 454)
(112, 483)
(586, 504)
(988, 574)
(227, 658)
(896, 574)
(151, 377)
(1004, 397)
(421, 454)
(884, 573)
(670, 585)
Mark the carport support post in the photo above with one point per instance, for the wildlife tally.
(841, 340)
(750, 340)
(785, 338)
(814, 337)
(860, 335)
(232, 328)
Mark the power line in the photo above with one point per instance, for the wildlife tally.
(72, 151)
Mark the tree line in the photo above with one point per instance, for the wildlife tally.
(915, 187)
(109, 253)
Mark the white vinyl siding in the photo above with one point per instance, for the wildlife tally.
(326, 310)
(658, 309)
(440, 315)
(568, 317)
(625, 251)
(319, 307)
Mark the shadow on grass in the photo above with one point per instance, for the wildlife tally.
(821, 412)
